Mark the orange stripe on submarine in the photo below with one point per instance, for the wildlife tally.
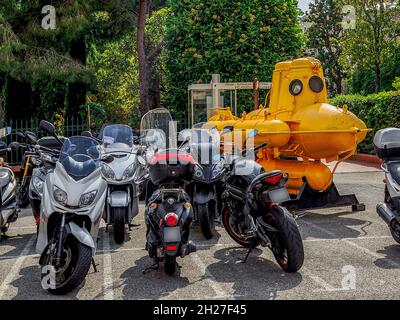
(300, 127)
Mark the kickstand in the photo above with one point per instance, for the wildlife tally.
(153, 267)
(248, 252)
(94, 266)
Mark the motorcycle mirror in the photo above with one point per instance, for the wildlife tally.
(141, 160)
(47, 127)
(3, 145)
(227, 129)
(31, 137)
(107, 158)
(14, 145)
(87, 134)
(184, 135)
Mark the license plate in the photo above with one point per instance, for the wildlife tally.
(279, 195)
(172, 234)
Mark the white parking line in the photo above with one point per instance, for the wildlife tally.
(351, 243)
(108, 280)
(16, 268)
(219, 291)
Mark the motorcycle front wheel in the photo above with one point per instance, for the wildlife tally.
(206, 218)
(287, 245)
(76, 261)
(119, 225)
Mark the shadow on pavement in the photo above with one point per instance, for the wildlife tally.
(259, 278)
(153, 285)
(337, 225)
(391, 259)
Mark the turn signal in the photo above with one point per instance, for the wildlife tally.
(153, 206)
(187, 205)
(171, 219)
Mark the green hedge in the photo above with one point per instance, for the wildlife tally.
(378, 111)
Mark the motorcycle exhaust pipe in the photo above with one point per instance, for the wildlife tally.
(386, 213)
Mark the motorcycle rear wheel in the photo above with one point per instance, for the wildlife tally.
(169, 264)
(77, 260)
(287, 245)
(232, 231)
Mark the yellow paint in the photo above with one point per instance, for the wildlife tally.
(304, 128)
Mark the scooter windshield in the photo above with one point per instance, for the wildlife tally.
(80, 156)
(158, 130)
(205, 146)
(117, 137)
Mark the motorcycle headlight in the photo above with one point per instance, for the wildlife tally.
(38, 185)
(128, 173)
(217, 169)
(60, 196)
(198, 172)
(87, 198)
(107, 172)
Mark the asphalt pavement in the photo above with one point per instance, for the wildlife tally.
(347, 256)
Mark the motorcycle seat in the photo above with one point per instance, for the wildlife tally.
(4, 178)
(394, 170)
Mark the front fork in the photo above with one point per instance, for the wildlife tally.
(60, 243)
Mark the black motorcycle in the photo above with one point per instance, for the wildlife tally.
(207, 183)
(252, 214)
(168, 213)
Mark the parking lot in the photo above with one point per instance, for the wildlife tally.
(347, 256)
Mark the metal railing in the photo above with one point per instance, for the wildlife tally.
(71, 127)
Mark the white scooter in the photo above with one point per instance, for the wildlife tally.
(71, 210)
(8, 185)
(124, 176)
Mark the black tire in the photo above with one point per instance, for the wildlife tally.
(23, 197)
(206, 218)
(77, 269)
(287, 244)
(227, 221)
(169, 264)
(119, 225)
(389, 202)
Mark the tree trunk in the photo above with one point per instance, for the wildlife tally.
(141, 52)
(377, 77)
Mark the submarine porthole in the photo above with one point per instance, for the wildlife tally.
(316, 84)
(296, 87)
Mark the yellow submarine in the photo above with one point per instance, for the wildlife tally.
(302, 130)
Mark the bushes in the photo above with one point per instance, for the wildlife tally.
(378, 111)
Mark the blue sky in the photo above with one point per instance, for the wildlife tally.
(303, 4)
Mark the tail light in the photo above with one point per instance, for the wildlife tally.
(172, 248)
(171, 219)
(274, 180)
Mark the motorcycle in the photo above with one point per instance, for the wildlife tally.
(387, 148)
(207, 183)
(27, 166)
(72, 206)
(8, 187)
(168, 213)
(252, 214)
(124, 176)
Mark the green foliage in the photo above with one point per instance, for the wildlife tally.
(378, 111)
(117, 77)
(370, 44)
(323, 36)
(241, 40)
(396, 83)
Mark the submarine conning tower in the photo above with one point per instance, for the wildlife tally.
(301, 129)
